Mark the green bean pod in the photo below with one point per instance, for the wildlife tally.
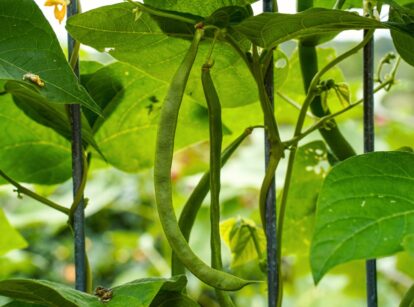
(162, 179)
(216, 139)
(194, 202)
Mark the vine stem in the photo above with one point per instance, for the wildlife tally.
(266, 89)
(325, 119)
(22, 190)
(369, 139)
(81, 266)
(312, 93)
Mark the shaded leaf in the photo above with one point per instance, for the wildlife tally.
(246, 241)
(48, 114)
(364, 210)
(10, 238)
(30, 152)
(29, 45)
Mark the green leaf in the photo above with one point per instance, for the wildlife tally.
(156, 48)
(271, 29)
(403, 42)
(196, 7)
(246, 241)
(48, 114)
(29, 45)
(10, 238)
(46, 293)
(30, 152)
(131, 117)
(364, 210)
(408, 299)
(408, 244)
(229, 15)
(141, 292)
(309, 171)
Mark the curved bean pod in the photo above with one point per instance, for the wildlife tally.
(162, 179)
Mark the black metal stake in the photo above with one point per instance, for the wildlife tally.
(270, 214)
(77, 171)
(369, 138)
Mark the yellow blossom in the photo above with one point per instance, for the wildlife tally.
(60, 8)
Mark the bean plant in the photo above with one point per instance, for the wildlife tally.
(190, 71)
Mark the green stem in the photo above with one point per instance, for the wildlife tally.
(22, 190)
(328, 118)
(294, 104)
(338, 4)
(161, 13)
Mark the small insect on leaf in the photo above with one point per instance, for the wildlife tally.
(104, 294)
(34, 79)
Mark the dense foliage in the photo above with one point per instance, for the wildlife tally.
(185, 92)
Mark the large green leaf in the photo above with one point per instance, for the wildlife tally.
(30, 152)
(270, 29)
(10, 238)
(29, 45)
(365, 209)
(156, 46)
(126, 135)
(141, 292)
(196, 7)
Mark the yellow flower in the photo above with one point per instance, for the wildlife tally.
(60, 8)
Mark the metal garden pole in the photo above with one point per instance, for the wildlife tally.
(270, 214)
(371, 270)
(77, 171)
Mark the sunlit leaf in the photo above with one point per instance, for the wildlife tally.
(29, 45)
(364, 211)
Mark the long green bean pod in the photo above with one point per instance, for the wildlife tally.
(194, 202)
(216, 139)
(162, 179)
(309, 66)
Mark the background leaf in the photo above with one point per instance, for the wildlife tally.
(365, 209)
(29, 45)
(308, 173)
(10, 238)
